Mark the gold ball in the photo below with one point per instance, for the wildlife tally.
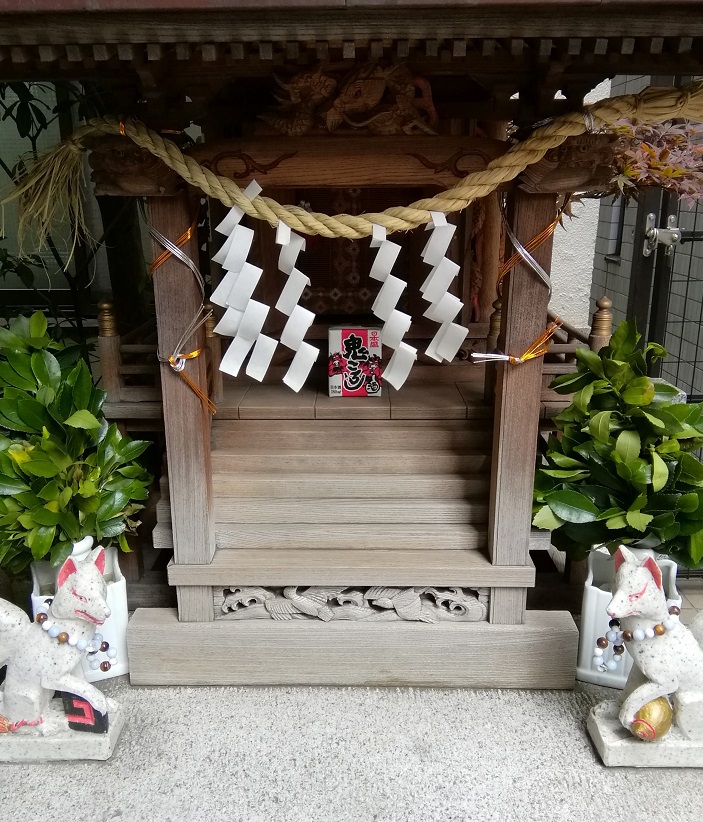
(653, 720)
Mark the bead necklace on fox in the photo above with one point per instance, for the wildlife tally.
(89, 647)
(617, 637)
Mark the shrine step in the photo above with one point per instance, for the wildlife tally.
(361, 461)
(342, 511)
(350, 486)
(164, 651)
(362, 537)
(459, 568)
(323, 435)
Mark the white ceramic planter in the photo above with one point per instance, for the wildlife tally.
(597, 594)
(114, 630)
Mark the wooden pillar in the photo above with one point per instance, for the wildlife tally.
(109, 350)
(601, 325)
(517, 394)
(186, 420)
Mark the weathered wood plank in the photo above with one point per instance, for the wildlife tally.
(338, 511)
(525, 302)
(401, 567)
(177, 300)
(353, 537)
(227, 436)
(270, 402)
(365, 462)
(195, 603)
(361, 408)
(478, 655)
(428, 401)
(353, 486)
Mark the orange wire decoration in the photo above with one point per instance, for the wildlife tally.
(178, 365)
(534, 243)
(180, 242)
(537, 349)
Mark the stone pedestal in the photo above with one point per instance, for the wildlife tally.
(54, 741)
(617, 746)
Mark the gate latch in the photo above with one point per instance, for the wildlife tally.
(669, 236)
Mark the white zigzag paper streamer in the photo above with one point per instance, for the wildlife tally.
(443, 306)
(244, 317)
(395, 323)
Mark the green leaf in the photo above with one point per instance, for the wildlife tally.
(590, 360)
(564, 473)
(21, 363)
(664, 392)
(689, 502)
(624, 340)
(40, 540)
(82, 419)
(113, 527)
(657, 351)
(568, 383)
(628, 445)
(10, 486)
(65, 497)
(11, 342)
(40, 468)
(691, 470)
(660, 473)
(60, 553)
(599, 426)
(638, 520)
(695, 546)
(9, 376)
(32, 413)
(37, 324)
(113, 504)
(124, 545)
(616, 522)
(571, 506)
(42, 516)
(46, 369)
(82, 387)
(49, 492)
(668, 447)
(131, 449)
(45, 395)
(554, 456)
(545, 518)
(583, 397)
(639, 391)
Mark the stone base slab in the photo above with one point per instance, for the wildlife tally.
(618, 748)
(54, 741)
(164, 651)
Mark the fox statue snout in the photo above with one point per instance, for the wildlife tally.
(638, 588)
(81, 590)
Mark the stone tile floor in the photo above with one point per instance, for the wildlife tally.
(691, 591)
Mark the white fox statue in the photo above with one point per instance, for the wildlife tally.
(39, 664)
(668, 657)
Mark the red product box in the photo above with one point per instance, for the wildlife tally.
(355, 362)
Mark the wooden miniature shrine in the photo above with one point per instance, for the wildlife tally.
(379, 541)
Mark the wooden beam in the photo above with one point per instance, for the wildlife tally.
(524, 311)
(163, 651)
(186, 421)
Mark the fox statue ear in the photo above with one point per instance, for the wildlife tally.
(68, 568)
(619, 559)
(98, 557)
(654, 570)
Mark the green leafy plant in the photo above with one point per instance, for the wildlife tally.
(64, 472)
(620, 469)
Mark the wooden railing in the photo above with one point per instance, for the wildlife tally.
(130, 371)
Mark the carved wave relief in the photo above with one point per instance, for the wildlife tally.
(369, 604)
